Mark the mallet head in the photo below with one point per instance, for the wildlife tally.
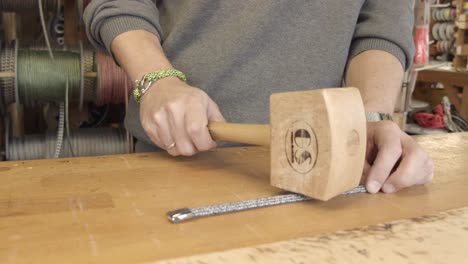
(318, 141)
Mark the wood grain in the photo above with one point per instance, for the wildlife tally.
(125, 222)
(439, 238)
(45, 205)
(318, 147)
(252, 134)
(9, 26)
(71, 23)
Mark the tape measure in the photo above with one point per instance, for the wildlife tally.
(185, 214)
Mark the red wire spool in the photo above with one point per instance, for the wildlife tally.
(112, 81)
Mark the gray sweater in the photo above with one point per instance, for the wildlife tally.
(240, 52)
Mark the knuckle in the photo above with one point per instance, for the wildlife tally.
(158, 117)
(199, 93)
(194, 130)
(403, 182)
(173, 107)
(192, 100)
(418, 154)
(145, 125)
(197, 96)
(394, 150)
(415, 152)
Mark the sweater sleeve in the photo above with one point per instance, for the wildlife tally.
(106, 19)
(385, 25)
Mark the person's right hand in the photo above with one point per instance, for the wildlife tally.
(175, 116)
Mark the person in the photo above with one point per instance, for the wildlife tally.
(234, 54)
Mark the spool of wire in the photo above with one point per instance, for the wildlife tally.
(444, 14)
(445, 46)
(7, 62)
(111, 81)
(26, 5)
(435, 31)
(89, 83)
(450, 31)
(443, 31)
(435, 15)
(7, 84)
(83, 142)
(41, 79)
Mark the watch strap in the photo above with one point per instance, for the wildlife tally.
(378, 116)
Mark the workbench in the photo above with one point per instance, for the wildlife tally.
(112, 209)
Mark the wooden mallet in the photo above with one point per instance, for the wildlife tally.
(317, 140)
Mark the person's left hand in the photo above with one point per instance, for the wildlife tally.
(393, 159)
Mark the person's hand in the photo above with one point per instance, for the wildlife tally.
(175, 116)
(393, 159)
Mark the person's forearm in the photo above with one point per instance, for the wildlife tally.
(378, 75)
(173, 114)
(139, 52)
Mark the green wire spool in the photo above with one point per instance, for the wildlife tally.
(42, 79)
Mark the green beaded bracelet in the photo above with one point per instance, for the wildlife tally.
(142, 86)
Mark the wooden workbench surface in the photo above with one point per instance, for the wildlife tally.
(439, 238)
(113, 209)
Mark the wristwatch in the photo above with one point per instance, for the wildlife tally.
(377, 116)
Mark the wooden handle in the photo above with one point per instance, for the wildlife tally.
(253, 134)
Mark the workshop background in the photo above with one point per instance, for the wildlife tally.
(59, 97)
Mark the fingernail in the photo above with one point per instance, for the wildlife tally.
(373, 186)
(388, 188)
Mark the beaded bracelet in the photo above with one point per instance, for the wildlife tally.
(142, 86)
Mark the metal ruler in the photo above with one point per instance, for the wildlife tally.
(184, 214)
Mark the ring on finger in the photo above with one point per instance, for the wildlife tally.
(170, 146)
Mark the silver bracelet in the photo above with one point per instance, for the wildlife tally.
(141, 87)
(377, 116)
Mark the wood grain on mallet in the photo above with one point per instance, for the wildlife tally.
(318, 141)
(317, 144)
(253, 134)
